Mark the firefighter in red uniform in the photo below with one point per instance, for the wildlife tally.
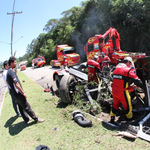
(122, 75)
(93, 68)
(64, 63)
(103, 60)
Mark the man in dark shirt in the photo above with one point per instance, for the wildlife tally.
(13, 81)
(14, 102)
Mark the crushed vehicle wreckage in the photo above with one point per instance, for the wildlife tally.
(74, 80)
(139, 126)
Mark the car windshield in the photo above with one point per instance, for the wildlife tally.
(68, 51)
(39, 59)
(22, 65)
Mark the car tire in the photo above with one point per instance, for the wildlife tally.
(57, 80)
(65, 91)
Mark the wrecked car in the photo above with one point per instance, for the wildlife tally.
(140, 125)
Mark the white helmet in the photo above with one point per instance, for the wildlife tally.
(128, 59)
(95, 56)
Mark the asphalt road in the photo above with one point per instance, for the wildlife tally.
(43, 76)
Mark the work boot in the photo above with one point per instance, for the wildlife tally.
(112, 119)
(40, 120)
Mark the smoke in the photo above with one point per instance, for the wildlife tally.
(79, 46)
(88, 29)
(96, 19)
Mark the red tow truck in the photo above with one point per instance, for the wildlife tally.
(37, 62)
(109, 43)
(22, 66)
(72, 58)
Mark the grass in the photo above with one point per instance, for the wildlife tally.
(17, 135)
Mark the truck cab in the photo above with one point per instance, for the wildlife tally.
(38, 62)
(22, 66)
(68, 52)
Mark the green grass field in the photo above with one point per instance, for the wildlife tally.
(15, 134)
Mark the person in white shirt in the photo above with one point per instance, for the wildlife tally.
(14, 101)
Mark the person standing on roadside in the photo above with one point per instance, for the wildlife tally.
(14, 82)
(14, 101)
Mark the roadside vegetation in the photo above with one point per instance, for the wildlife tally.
(59, 131)
(78, 24)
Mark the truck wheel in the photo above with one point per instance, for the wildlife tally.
(57, 80)
(66, 88)
(35, 65)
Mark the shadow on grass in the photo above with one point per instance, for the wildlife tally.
(18, 127)
(62, 105)
(10, 121)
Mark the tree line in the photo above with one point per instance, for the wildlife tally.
(78, 24)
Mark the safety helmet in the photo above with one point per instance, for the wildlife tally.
(128, 59)
(95, 56)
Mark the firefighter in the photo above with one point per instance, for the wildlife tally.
(122, 76)
(93, 68)
(64, 63)
(103, 60)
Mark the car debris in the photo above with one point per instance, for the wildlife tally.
(79, 118)
(140, 125)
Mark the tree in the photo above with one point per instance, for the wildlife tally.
(51, 24)
(78, 24)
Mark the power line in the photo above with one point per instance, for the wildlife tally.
(13, 42)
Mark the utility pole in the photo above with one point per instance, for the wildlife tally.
(13, 13)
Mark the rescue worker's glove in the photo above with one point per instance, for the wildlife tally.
(131, 88)
(140, 90)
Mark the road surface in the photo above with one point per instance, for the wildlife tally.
(43, 76)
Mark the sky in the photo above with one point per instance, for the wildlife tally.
(28, 24)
